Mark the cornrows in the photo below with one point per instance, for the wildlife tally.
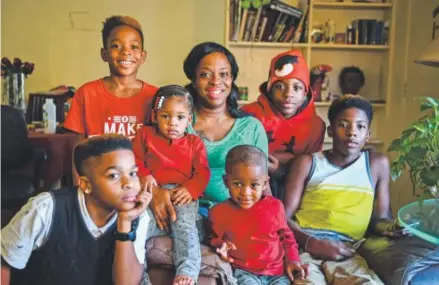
(169, 91)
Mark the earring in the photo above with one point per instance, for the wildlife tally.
(86, 191)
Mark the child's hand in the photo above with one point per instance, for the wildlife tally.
(125, 218)
(181, 196)
(223, 251)
(296, 270)
(148, 182)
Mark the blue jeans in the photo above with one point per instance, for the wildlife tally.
(247, 278)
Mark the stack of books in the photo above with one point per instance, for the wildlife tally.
(368, 32)
(274, 21)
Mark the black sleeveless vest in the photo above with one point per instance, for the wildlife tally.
(71, 255)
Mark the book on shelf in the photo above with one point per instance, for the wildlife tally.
(367, 32)
(274, 21)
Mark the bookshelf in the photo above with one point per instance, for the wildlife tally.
(374, 60)
(352, 5)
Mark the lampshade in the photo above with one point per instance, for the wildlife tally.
(430, 55)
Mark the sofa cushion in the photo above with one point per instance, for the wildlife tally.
(159, 253)
(399, 261)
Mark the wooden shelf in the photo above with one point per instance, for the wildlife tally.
(371, 141)
(319, 104)
(353, 5)
(327, 104)
(268, 44)
(350, 47)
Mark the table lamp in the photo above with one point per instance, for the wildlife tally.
(430, 55)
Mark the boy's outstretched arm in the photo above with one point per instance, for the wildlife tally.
(6, 274)
(295, 183)
(127, 269)
(382, 222)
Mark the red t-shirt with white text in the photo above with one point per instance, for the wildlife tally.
(96, 111)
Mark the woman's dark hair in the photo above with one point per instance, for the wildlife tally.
(191, 63)
(166, 92)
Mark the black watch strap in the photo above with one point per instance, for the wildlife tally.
(131, 236)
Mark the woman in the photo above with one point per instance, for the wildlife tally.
(212, 70)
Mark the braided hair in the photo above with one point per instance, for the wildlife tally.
(166, 92)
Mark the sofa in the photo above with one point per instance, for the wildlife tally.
(403, 261)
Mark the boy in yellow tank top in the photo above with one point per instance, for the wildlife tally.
(332, 196)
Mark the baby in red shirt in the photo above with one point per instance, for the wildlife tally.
(250, 230)
(173, 161)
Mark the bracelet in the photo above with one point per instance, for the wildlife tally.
(307, 240)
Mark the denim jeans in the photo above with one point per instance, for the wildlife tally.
(247, 278)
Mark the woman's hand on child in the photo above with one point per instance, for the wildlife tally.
(273, 164)
(329, 249)
(223, 251)
(296, 270)
(162, 208)
(181, 196)
(126, 217)
(148, 182)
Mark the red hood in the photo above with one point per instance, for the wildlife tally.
(270, 110)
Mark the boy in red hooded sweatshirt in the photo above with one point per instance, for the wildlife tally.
(286, 109)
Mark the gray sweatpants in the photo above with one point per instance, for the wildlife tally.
(184, 233)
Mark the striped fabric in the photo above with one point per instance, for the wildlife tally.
(338, 199)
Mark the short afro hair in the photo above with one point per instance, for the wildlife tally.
(116, 21)
(96, 146)
(247, 154)
(349, 101)
(351, 69)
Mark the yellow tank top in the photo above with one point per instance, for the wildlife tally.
(338, 199)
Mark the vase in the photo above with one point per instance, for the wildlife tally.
(13, 92)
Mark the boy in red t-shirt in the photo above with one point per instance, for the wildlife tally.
(250, 230)
(287, 112)
(117, 103)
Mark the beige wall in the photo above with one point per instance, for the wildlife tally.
(63, 37)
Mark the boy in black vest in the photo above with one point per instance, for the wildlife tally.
(94, 234)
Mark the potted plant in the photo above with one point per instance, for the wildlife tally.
(418, 152)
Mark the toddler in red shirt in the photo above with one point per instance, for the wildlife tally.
(171, 160)
(250, 230)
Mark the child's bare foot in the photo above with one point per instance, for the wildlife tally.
(183, 280)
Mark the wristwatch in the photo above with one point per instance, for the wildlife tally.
(131, 236)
